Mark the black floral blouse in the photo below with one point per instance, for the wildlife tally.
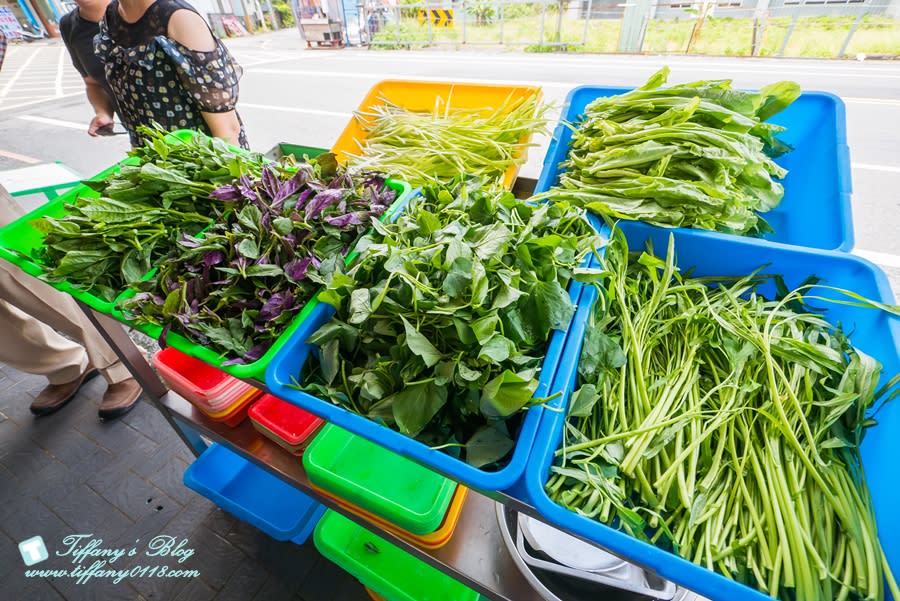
(156, 79)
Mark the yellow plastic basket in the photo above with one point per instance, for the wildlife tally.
(421, 96)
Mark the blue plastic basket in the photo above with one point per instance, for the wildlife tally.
(815, 211)
(872, 331)
(252, 494)
(310, 526)
(288, 363)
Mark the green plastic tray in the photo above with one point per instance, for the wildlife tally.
(297, 151)
(21, 236)
(392, 573)
(380, 481)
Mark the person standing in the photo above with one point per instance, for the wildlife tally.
(164, 65)
(78, 29)
(35, 347)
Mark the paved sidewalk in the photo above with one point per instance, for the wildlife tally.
(69, 474)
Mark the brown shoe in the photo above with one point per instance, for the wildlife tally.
(55, 396)
(119, 399)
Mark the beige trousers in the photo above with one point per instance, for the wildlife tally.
(34, 346)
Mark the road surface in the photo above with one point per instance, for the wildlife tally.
(290, 94)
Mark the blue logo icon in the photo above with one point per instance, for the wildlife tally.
(33, 550)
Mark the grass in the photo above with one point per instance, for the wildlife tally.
(819, 37)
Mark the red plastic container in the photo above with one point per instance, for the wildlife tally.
(288, 425)
(234, 416)
(221, 397)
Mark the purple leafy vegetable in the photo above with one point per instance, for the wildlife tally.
(238, 286)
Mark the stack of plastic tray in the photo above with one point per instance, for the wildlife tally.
(253, 495)
(371, 480)
(874, 332)
(432, 541)
(391, 573)
(221, 397)
(288, 425)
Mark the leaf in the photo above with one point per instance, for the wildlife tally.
(360, 309)
(420, 345)
(266, 270)
(776, 97)
(330, 360)
(497, 349)
(506, 296)
(173, 301)
(332, 330)
(493, 242)
(458, 277)
(484, 327)
(282, 225)
(488, 445)
(416, 405)
(248, 248)
(589, 275)
(583, 400)
(250, 217)
(467, 373)
(599, 352)
(551, 304)
(506, 394)
(428, 222)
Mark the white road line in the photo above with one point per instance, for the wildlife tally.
(879, 258)
(59, 70)
(884, 101)
(379, 76)
(19, 157)
(57, 122)
(888, 168)
(291, 109)
(33, 102)
(18, 73)
(643, 62)
(564, 85)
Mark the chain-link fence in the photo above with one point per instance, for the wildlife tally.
(818, 28)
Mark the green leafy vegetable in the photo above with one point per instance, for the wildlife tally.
(447, 143)
(105, 244)
(690, 155)
(237, 287)
(460, 297)
(726, 427)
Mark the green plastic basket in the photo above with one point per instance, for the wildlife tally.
(378, 480)
(389, 571)
(19, 240)
(297, 151)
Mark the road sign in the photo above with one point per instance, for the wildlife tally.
(439, 17)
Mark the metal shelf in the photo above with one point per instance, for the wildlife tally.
(475, 555)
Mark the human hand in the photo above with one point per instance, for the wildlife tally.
(99, 122)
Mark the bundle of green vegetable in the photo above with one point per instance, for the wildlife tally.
(442, 324)
(237, 286)
(726, 428)
(446, 144)
(691, 155)
(104, 244)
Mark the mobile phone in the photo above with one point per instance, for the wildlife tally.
(110, 130)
